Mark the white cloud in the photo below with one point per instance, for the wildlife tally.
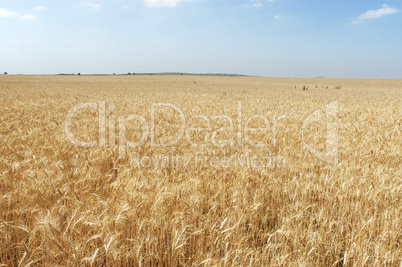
(157, 3)
(7, 13)
(254, 3)
(374, 14)
(39, 8)
(277, 16)
(91, 5)
(357, 21)
(28, 17)
(11, 14)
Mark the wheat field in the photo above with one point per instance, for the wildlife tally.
(62, 204)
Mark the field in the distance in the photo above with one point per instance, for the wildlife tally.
(64, 205)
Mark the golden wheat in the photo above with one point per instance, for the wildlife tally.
(66, 205)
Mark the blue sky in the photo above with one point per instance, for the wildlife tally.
(278, 38)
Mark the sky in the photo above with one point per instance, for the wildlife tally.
(274, 38)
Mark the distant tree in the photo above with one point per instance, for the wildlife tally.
(5, 73)
(78, 73)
